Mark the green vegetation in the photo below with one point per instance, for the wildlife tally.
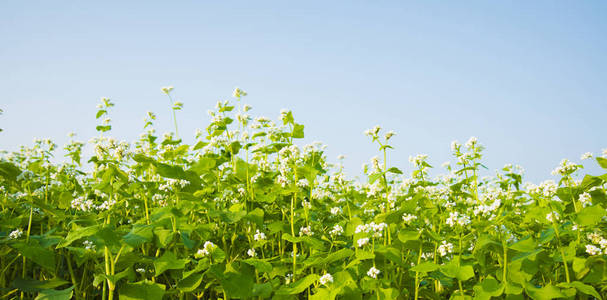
(246, 213)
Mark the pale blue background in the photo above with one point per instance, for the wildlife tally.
(527, 77)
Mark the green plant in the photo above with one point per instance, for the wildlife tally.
(246, 212)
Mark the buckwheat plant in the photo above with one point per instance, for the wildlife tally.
(247, 211)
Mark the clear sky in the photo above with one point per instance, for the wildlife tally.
(528, 78)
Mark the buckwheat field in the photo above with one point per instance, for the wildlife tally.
(248, 212)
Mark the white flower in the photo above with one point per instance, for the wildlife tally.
(238, 93)
(337, 230)
(552, 216)
(325, 279)
(547, 188)
(373, 272)
(306, 204)
(335, 210)
(593, 250)
(408, 218)
(455, 145)
(259, 236)
(373, 131)
(418, 159)
(594, 237)
(445, 248)
(390, 134)
(202, 252)
(362, 242)
(306, 231)
(288, 278)
(452, 218)
(15, 234)
(586, 155)
(88, 245)
(207, 248)
(140, 270)
(564, 168)
(251, 252)
(585, 199)
(302, 183)
(82, 204)
(471, 142)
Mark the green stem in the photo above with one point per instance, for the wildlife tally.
(419, 260)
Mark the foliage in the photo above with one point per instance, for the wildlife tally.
(247, 213)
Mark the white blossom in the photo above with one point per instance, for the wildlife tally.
(408, 218)
(337, 230)
(15, 234)
(363, 241)
(373, 272)
(306, 231)
(335, 210)
(585, 199)
(259, 236)
(88, 245)
(552, 216)
(593, 250)
(445, 248)
(326, 279)
(586, 155)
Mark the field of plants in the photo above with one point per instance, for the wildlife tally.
(247, 213)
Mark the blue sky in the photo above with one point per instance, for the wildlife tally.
(528, 78)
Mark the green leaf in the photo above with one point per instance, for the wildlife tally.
(139, 235)
(299, 286)
(465, 272)
(591, 215)
(263, 290)
(32, 285)
(524, 245)
(388, 293)
(259, 265)
(108, 237)
(238, 280)
(545, 293)
(488, 288)
(190, 283)
(583, 288)
(525, 255)
(142, 290)
(408, 235)
(425, 267)
(55, 294)
(203, 165)
(298, 131)
(169, 171)
(164, 236)
(9, 171)
(42, 256)
(100, 113)
(168, 261)
(140, 158)
(394, 170)
(78, 233)
(256, 216)
(602, 162)
(103, 128)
